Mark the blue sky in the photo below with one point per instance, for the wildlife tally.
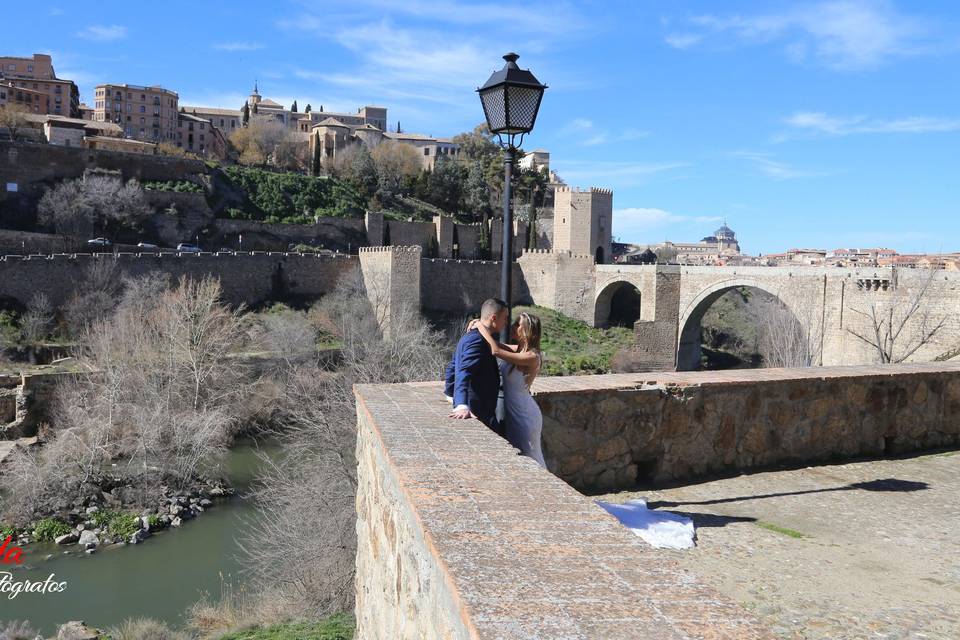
(819, 124)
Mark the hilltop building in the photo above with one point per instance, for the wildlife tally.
(719, 248)
(582, 222)
(33, 83)
(144, 113)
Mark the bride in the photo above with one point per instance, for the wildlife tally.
(519, 365)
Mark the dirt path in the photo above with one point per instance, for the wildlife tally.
(868, 550)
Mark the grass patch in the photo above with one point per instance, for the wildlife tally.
(790, 533)
(117, 523)
(47, 529)
(335, 628)
(572, 347)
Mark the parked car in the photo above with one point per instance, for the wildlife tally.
(99, 242)
(185, 247)
(147, 245)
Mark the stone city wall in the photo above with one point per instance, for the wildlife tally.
(33, 167)
(250, 279)
(460, 286)
(460, 538)
(603, 433)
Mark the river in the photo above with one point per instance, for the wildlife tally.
(159, 578)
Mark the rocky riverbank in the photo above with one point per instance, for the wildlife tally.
(99, 520)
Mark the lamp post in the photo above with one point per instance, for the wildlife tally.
(511, 99)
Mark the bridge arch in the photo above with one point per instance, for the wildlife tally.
(691, 315)
(617, 304)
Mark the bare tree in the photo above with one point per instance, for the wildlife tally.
(161, 401)
(37, 321)
(94, 203)
(257, 142)
(783, 339)
(899, 322)
(13, 118)
(395, 161)
(315, 480)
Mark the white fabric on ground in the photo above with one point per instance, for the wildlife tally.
(660, 529)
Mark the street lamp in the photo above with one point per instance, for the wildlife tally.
(511, 99)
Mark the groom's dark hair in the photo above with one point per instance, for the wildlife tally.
(492, 307)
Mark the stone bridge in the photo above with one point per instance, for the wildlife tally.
(830, 303)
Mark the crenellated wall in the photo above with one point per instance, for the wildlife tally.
(250, 279)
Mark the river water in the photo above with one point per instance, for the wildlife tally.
(159, 578)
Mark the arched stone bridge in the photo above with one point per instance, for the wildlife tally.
(831, 303)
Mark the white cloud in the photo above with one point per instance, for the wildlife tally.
(641, 224)
(614, 175)
(768, 166)
(237, 46)
(683, 40)
(591, 135)
(819, 122)
(841, 34)
(103, 33)
(651, 218)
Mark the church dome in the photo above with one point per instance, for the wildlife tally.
(724, 233)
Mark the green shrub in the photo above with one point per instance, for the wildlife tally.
(290, 198)
(116, 523)
(335, 628)
(154, 521)
(177, 186)
(49, 528)
(8, 530)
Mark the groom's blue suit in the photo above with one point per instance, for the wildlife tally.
(473, 379)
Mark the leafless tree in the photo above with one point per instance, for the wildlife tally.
(395, 161)
(304, 540)
(784, 340)
(13, 118)
(92, 204)
(256, 143)
(37, 321)
(160, 400)
(899, 322)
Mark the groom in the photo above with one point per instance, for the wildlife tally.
(473, 377)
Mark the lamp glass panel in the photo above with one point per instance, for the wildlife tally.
(524, 102)
(493, 107)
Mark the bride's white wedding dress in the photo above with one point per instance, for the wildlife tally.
(523, 417)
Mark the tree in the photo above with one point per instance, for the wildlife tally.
(93, 204)
(293, 107)
(445, 184)
(477, 192)
(784, 340)
(316, 479)
(363, 172)
(317, 159)
(257, 142)
(13, 118)
(394, 161)
(896, 322)
(245, 114)
(308, 109)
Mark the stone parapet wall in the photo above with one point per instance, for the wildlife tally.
(610, 432)
(461, 286)
(460, 538)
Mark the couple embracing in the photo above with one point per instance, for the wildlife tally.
(481, 362)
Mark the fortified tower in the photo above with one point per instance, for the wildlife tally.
(581, 222)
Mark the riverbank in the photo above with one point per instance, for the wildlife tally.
(160, 579)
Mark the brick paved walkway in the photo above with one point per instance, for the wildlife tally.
(879, 557)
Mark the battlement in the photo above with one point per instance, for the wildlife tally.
(596, 190)
(131, 255)
(389, 249)
(557, 252)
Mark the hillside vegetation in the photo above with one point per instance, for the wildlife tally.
(571, 347)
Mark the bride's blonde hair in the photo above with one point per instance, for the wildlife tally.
(529, 331)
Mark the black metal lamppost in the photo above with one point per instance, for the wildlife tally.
(511, 99)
